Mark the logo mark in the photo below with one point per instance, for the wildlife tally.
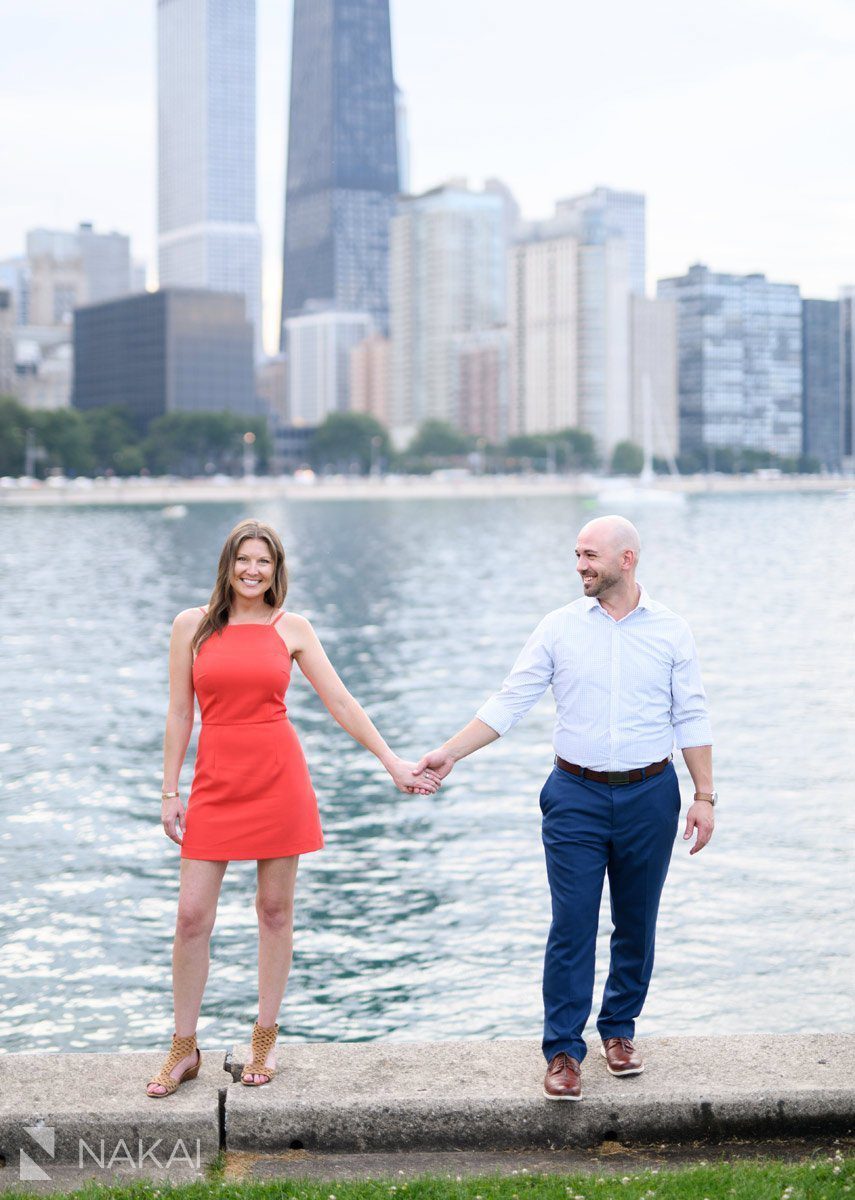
(45, 1137)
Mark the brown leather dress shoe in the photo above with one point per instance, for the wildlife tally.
(621, 1056)
(563, 1078)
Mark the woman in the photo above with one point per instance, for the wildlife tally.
(251, 796)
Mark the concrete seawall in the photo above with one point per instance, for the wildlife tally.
(84, 1110)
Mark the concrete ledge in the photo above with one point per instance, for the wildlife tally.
(379, 1097)
(68, 1109)
(488, 1095)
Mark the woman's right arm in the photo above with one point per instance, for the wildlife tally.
(179, 717)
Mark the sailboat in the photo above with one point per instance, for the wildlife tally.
(644, 491)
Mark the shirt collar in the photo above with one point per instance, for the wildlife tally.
(644, 601)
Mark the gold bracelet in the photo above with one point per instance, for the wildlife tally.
(168, 795)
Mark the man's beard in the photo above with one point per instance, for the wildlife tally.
(601, 583)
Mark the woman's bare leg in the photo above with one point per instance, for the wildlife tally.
(274, 903)
(199, 891)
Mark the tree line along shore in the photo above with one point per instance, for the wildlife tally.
(104, 442)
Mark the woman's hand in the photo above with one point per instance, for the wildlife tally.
(172, 817)
(405, 781)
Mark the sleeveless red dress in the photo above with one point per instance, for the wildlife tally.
(251, 796)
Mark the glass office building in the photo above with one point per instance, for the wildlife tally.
(342, 175)
(821, 413)
(208, 236)
(167, 351)
(847, 377)
(739, 346)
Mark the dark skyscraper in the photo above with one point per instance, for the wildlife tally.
(342, 159)
(175, 350)
(821, 381)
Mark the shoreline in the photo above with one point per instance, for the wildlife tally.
(160, 492)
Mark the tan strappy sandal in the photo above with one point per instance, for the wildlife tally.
(181, 1047)
(263, 1041)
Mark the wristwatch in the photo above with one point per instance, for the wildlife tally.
(710, 797)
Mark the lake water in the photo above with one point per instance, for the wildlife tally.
(424, 917)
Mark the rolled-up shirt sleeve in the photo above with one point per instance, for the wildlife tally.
(689, 712)
(528, 679)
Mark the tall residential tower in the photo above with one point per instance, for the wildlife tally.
(822, 418)
(604, 214)
(847, 376)
(569, 318)
(208, 236)
(447, 278)
(739, 346)
(342, 160)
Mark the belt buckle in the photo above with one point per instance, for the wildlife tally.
(618, 777)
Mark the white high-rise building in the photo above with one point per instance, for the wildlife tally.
(319, 348)
(208, 236)
(604, 406)
(447, 276)
(543, 317)
(569, 322)
(607, 213)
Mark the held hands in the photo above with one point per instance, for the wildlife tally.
(699, 817)
(404, 775)
(436, 764)
(407, 779)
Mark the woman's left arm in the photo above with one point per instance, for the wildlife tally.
(306, 649)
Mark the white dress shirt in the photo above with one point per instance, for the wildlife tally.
(624, 690)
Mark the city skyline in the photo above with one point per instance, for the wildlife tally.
(742, 169)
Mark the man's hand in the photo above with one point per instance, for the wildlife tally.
(437, 763)
(700, 817)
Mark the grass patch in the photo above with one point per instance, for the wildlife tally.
(826, 1178)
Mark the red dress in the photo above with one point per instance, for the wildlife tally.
(251, 795)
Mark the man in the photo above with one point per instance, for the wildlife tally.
(625, 676)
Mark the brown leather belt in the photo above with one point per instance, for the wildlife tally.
(614, 778)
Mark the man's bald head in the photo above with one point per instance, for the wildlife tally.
(613, 532)
(607, 551)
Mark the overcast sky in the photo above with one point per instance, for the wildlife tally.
(735, 118)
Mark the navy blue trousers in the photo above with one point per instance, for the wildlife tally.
(590, 829)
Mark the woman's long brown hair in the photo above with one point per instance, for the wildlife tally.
(217, 616)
